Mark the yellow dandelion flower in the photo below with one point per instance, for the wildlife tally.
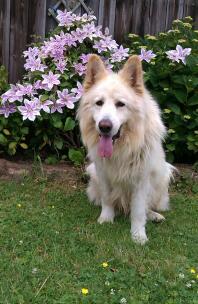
(19, 205)
(193, 270)
(105, 264)
(84, 291)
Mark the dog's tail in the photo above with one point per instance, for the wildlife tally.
(93, 189)
(163, 203)
(171, 170)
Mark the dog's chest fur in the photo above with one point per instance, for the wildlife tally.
(122, 173)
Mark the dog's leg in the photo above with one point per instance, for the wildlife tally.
(138, 212)
(163, 204)
(155, 216)
(107, 214)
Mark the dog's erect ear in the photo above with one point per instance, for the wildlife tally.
(132, 73)
(95, 71)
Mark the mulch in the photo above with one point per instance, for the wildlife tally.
(63, 171)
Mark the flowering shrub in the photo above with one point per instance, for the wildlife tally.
(170, 62)
(52, 87)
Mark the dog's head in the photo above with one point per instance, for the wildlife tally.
(111, 103)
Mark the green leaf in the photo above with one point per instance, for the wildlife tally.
(6, 131)
(65, 76)
(191, 61)
(3, 140)
(12, 147)
(69, 124)
(56, 121)
(25, 130)
(175, 108)
(170, 157)
(76, 156)
(179, 79)
(44, 97)
(51, 160)
(193, 100)
(181, 95)
(58, 142)
(24, 146)
(170, 147)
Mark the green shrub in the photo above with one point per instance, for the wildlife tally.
(175, 86)
(55, 135)
(38, 115)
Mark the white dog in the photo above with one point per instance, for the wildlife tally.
(122, 130)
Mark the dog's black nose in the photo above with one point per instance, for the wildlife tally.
(105, 126)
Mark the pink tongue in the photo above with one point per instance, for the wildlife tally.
(105, 148)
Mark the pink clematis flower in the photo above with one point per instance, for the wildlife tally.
(50, 80)
(146, 55)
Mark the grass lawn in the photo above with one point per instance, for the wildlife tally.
(52, 247)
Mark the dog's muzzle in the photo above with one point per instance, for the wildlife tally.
(105, 127)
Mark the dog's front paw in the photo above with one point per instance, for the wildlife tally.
(105, 219)
(139, 236)
(107, 215)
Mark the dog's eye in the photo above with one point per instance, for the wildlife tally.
(99, 103)
(120, 104)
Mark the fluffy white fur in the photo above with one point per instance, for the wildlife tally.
(136, 177)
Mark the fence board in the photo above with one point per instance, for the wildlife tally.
(123, 19)
(4, 32)
(94, 5)
(22, 19)
(36, 19)
(112, 16)
(50, 22)
(18, 37)
(101, 12)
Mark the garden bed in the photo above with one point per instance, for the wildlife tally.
(62, 171)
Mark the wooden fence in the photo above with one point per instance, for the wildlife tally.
(21, 20)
